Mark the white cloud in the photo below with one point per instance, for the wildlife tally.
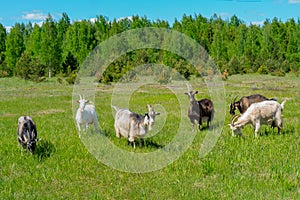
(34, 15)
(8, 28)
(224, 15)
(93, 20)
(40, 24)
(293, 1)
(258, 23)
(123, 18)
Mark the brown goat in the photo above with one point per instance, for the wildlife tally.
(244, 103)
(200, 110)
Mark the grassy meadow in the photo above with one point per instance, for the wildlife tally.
(267, 167)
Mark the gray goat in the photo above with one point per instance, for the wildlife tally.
(133, 125)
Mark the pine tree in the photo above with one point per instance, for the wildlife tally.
(33, 44)
(50, 53)
(252, 48)
(14, 47)
(2, 40)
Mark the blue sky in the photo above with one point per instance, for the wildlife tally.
(250, 11)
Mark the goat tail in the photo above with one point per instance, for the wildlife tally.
(115, 107)
(283, 103)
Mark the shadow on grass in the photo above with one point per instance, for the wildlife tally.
(44, 150)
(143, 143)
(205, 127)
(288, 130)
(274, 131)
(149, 144)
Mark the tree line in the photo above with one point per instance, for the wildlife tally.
(57, 48)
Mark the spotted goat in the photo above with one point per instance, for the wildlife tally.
(27, 133)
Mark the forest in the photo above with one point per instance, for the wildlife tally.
(59, 47)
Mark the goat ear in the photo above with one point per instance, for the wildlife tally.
(186, 93)
(196, 92)
(157, 113)
(77, 101)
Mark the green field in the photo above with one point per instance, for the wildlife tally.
(267, 167)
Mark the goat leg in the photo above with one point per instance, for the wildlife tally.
(142, 142)
(78, 125)
(193, 127)
(257, 126)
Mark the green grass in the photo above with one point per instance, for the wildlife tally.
(267, 167)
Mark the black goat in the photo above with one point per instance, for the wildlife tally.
(27, 133)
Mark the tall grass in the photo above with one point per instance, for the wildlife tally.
(245, 167)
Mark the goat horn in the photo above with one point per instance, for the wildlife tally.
(25, 140)
(235, 98)
(234, 117)
(189, 87)
(25, 137)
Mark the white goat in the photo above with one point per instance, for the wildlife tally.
(265, 112)
(86, 114)
(132, 125)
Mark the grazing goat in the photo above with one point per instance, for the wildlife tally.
(244, 103)
(202, 110)
(132, 125)
(86, 114)
(265, 112)
(27, 134)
